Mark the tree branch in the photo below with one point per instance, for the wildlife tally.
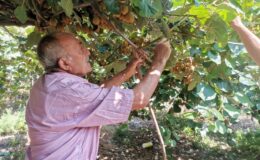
(11, 22)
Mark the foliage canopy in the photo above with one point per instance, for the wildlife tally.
(209, 77)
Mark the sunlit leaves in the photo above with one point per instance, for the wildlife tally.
(214, 57)
(220, 127)
(201, 12)
(205, 92)
(236, 48)
(247, 80)
(224, 86)
(226, 13)
(242, 99)
(232, 111)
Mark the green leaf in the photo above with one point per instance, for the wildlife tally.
(20, 14)
(112, 6)
(67, 6)
(226, 12)
(205, 92)
(189, 115)
(217, 29)
(201, 12)
(33, 39)
(243, 99)
(171, 143)
(214, 57)
(166, 133)
(220, 127)
(232, 111)
(247, 80)
(246, 5)
(236, 48)
(148, 8)
(177, 3)
(217, 114)
(223, 85)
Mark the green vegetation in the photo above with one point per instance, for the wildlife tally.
(209, 81)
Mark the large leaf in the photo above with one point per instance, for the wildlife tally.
(201, 12)
(232, 111)
(217, 29)
(226, 12)
(148, 8)
(205, 92)
(67, 6)
(20, 14)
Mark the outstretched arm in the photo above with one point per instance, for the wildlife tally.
(144, 90)
(250, 40)
(122, 76)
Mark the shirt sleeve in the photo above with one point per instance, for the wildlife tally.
(87, 105)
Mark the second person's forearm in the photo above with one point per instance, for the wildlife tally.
(251, 42)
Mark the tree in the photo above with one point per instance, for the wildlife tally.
(208, 78)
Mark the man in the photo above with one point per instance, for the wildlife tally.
(65, 111)
(251, 41)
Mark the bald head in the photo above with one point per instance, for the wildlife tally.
(50, 49)
(64, 52)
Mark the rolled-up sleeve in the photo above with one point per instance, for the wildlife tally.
(87, 105)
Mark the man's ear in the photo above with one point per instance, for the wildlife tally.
(63, 64)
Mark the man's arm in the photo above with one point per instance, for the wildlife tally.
(251, 41)
(144, 90)
(123, 76)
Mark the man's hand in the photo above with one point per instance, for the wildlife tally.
(162, 51)
(236, 23)
(132, 66)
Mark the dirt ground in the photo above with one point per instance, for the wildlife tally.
(126, 144)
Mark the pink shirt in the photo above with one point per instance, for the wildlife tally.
(64, 115)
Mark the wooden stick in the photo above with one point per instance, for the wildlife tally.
(158, 132)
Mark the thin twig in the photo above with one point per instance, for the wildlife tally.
(158, 132)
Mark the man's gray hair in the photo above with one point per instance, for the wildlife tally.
(49, 51)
